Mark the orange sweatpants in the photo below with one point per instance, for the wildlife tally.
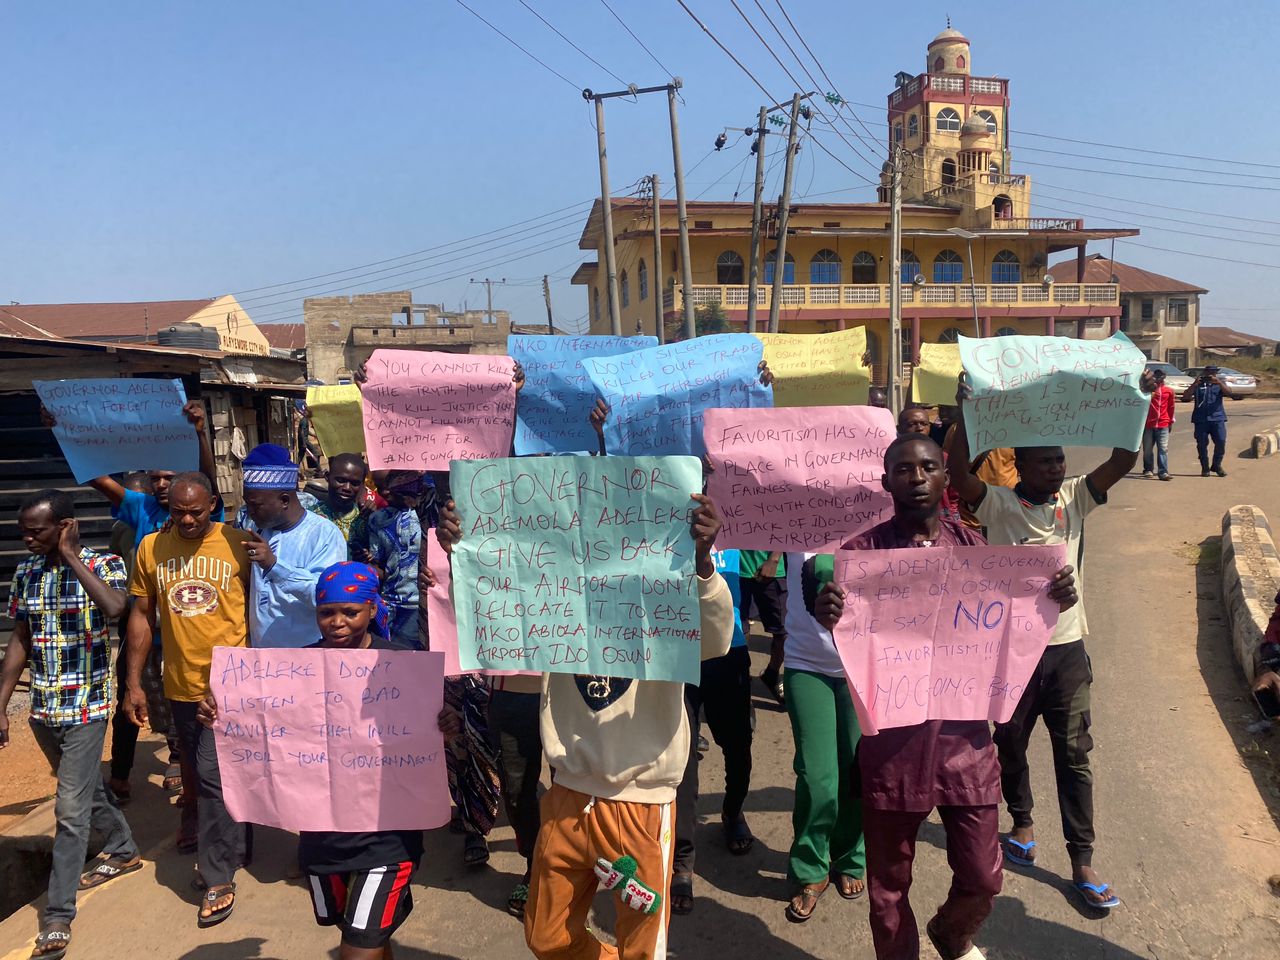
(575, 831)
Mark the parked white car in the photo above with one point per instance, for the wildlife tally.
(1174, 379)
(1240, 384)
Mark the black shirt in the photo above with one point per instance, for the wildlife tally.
(328, 851)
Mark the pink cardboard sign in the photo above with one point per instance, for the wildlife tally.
(947, 633)
(341, 740)
(423, 409)
(797, 478)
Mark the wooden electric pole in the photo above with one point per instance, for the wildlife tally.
(488, 285)
(753, 267)
(784, 211)
(546, 295)
(686, 263)
(656, 273)
(893, 377)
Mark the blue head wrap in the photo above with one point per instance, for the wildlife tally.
(268, 467)
(348, 582)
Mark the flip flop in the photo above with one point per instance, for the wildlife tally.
(212, 896)
(838, 878)
(475, 850)
(682, 887)
(108, 869)
(1109, 902)
(738, 837)
(1019, 853)
(813, 891)
(49, 937)
(518, 899)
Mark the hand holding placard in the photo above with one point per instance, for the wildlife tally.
(818, 370)
(337, 417)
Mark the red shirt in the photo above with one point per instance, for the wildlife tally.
(1162, 403)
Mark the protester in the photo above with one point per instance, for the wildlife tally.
(192, 579)
(344, 503)
(1155, 435)
(724, 693)
(517, 742)
(360, 882)
(1208, 418)
(289, 547)
(878, 397)
(907, 772)
(1048, 507)
(826, 818)
(915, 420)
(762, 585)
(61, 601)
(395, 538)
(617, 748)
(993, 467)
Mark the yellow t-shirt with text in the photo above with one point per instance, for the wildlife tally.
(200, 591)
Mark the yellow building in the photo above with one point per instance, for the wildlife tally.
(951, 129)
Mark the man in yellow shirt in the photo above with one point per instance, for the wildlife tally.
(192, 579)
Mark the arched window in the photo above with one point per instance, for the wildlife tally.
(948, 172)
(938, 64)
(948, 121)
(949, 335)
(1005, 268)
(729, 268)
(913, 126)
(1002, 206)
(595, 303)
(897, 133)
(788, 268)
(643, 271)
(989, 119)
(1006, 332)
(960, 62)
(825, 267)
(624, 285)
(873, 348)
(994, 169)
(864, 268)
(948, 267)
(910, 266)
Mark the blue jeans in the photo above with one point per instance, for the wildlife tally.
(1157, 437)
(1217, 432)
(75, 754)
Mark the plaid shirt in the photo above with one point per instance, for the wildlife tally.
(70, 637)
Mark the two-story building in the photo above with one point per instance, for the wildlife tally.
(950, 129)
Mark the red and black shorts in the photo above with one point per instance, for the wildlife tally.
(368, 906)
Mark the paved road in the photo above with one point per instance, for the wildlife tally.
(1187, 831)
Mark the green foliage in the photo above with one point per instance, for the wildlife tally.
(710, 319)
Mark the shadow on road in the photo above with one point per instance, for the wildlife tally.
(249, 948)
(1011, 932)
(1225, 683)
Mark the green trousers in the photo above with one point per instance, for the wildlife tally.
(827, 819)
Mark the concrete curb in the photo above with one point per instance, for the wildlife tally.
(1266, 444)
(1250, 579)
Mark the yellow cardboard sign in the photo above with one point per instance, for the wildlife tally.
(933, 381)
(337, 418)
(817, 370)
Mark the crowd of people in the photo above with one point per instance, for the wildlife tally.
(347, 570)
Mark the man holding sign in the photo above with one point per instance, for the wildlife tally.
(907, 771)
(1047, 507)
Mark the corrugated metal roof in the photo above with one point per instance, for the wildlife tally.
(1098, 269)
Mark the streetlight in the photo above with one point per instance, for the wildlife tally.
(969, 236)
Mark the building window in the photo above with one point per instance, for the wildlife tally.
(624, 285)
(1005, 268)
(1006, 332)
(948, 121)
(994, 170)
(595, 303)
(960, 62)
(1177, 357)
(948, 172)
(938, 65)
(788, 268)
(897, 133)
(1178, 311)
(825, 267)
(873, 348)
(1002, 207)
(729, 268)
(864, 268)
(989, 119)
(1148, 309)
(1124, 309)
(913, 126)
(948, 267)
(910, 266)
(949, 335)
(643, 271)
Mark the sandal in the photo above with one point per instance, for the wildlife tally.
(845, 886)
(1108, 900)
(738, 836)
(173, 778)
(108, 868)
(216, 914)
(682, 894)
(773, 683)
(188, 839)
(806, 897)
(475, 850)
(519, 897)
(54, 936)
(1023, 854)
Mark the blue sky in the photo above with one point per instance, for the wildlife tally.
(174, 150)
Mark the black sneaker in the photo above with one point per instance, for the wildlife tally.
(1204, 472)
(1219, 471)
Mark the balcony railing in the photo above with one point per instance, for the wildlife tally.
(947, 84)
(873, 295)
(1037, 223)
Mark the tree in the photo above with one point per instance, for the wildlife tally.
(710, 319)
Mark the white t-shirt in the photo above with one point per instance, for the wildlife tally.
(809, 646)
(1010, 520)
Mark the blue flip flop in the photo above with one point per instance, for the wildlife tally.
(1022, 856)
(1101, 890)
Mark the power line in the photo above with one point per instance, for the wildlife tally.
(1204, 256)
(1143, 176)
(651, 54)
(1161, 206)
(535, 59)
(1041, 192)
(1155, 166)
(1159, 229)
(571, 43)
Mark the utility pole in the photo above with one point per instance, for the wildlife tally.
(753, 269)
(894, 374)
(488, 285)
(784, 211)
(656, 274)
(546, 295)
(606, 202)
(686, 264)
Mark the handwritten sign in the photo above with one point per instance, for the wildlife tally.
(552, 415)
(578, 565)
(1053, 391)
(657, 397)
(113, 425)
(802, 479)
(936, 377)
(424, 409)
(341, 740)
(337, 417)
(817, 370)
(947, 633)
